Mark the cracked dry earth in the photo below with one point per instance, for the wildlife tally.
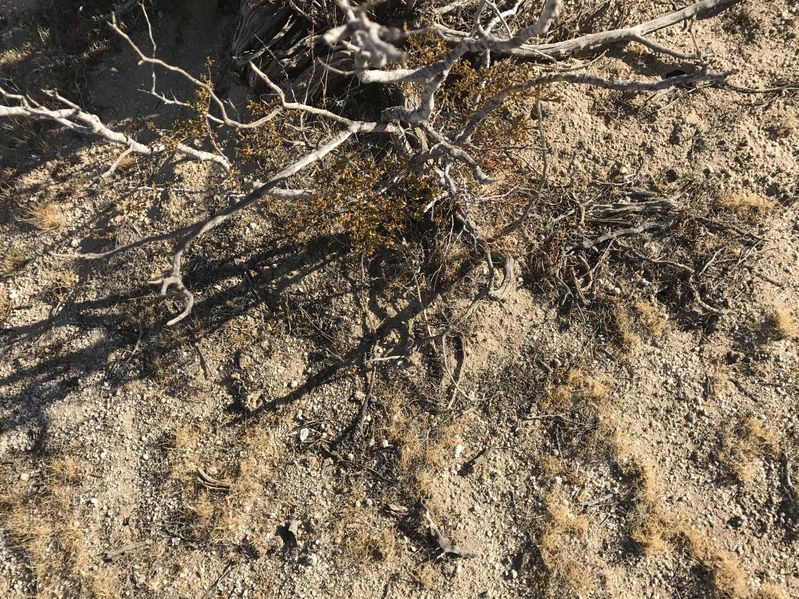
(283, 442)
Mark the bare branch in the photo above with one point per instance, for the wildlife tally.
(604, 39)
(78, 120)
(175, 278)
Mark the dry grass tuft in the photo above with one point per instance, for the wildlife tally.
(578, 578)
(784, 324)
(12, 260)
(747, 203)
(427, 575)
(441, 451)
(587, 386)
(40, 521)
(744, 444)
(649, 530)
(784, 126)
(45, 216)
(727, 574)
(365, 539)
(645, 479)
(65, 469)
(652, 317)
(770, 591)
(561, 546)
(624, 327)
(5, 305)
(562, 518)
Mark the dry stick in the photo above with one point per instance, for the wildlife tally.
(388, 128)
(587, 244)
(225, 119)
(197, 230)
(595, 41)
(543, 140)
(762, 90)
(508, 270)
(444, 544)
(456, 382)
(582, 79)
(373, 50)
(212, 589)
(443, 146)
(76, 119)
(154, 79)
(291, 194)
(690, 281)
(175, 278)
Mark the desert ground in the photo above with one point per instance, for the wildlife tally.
(622, 423)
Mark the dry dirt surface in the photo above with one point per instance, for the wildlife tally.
(632, 432)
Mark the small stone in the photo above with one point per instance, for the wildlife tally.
(310, 560)
(303, 436)
(24, 477)
(384, 443)
(93, 501)
(369, 502)
(293, 384)
(458, 450)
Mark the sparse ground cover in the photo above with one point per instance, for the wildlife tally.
(622, 423)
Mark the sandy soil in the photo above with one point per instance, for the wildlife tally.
(284, 442)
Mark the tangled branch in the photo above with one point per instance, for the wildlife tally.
(431, 139)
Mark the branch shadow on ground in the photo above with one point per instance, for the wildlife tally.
(54, 364)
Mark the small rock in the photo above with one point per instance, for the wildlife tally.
(303, 436)
(93, 501)
(310, 560)
(24, 477)
(384, 443)
(293, 384)
(138, 580)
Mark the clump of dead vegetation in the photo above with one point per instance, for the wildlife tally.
(783, 322)
(432, 175)
(38, 511)
(744, 444)
(426, 156)
(45, 216)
